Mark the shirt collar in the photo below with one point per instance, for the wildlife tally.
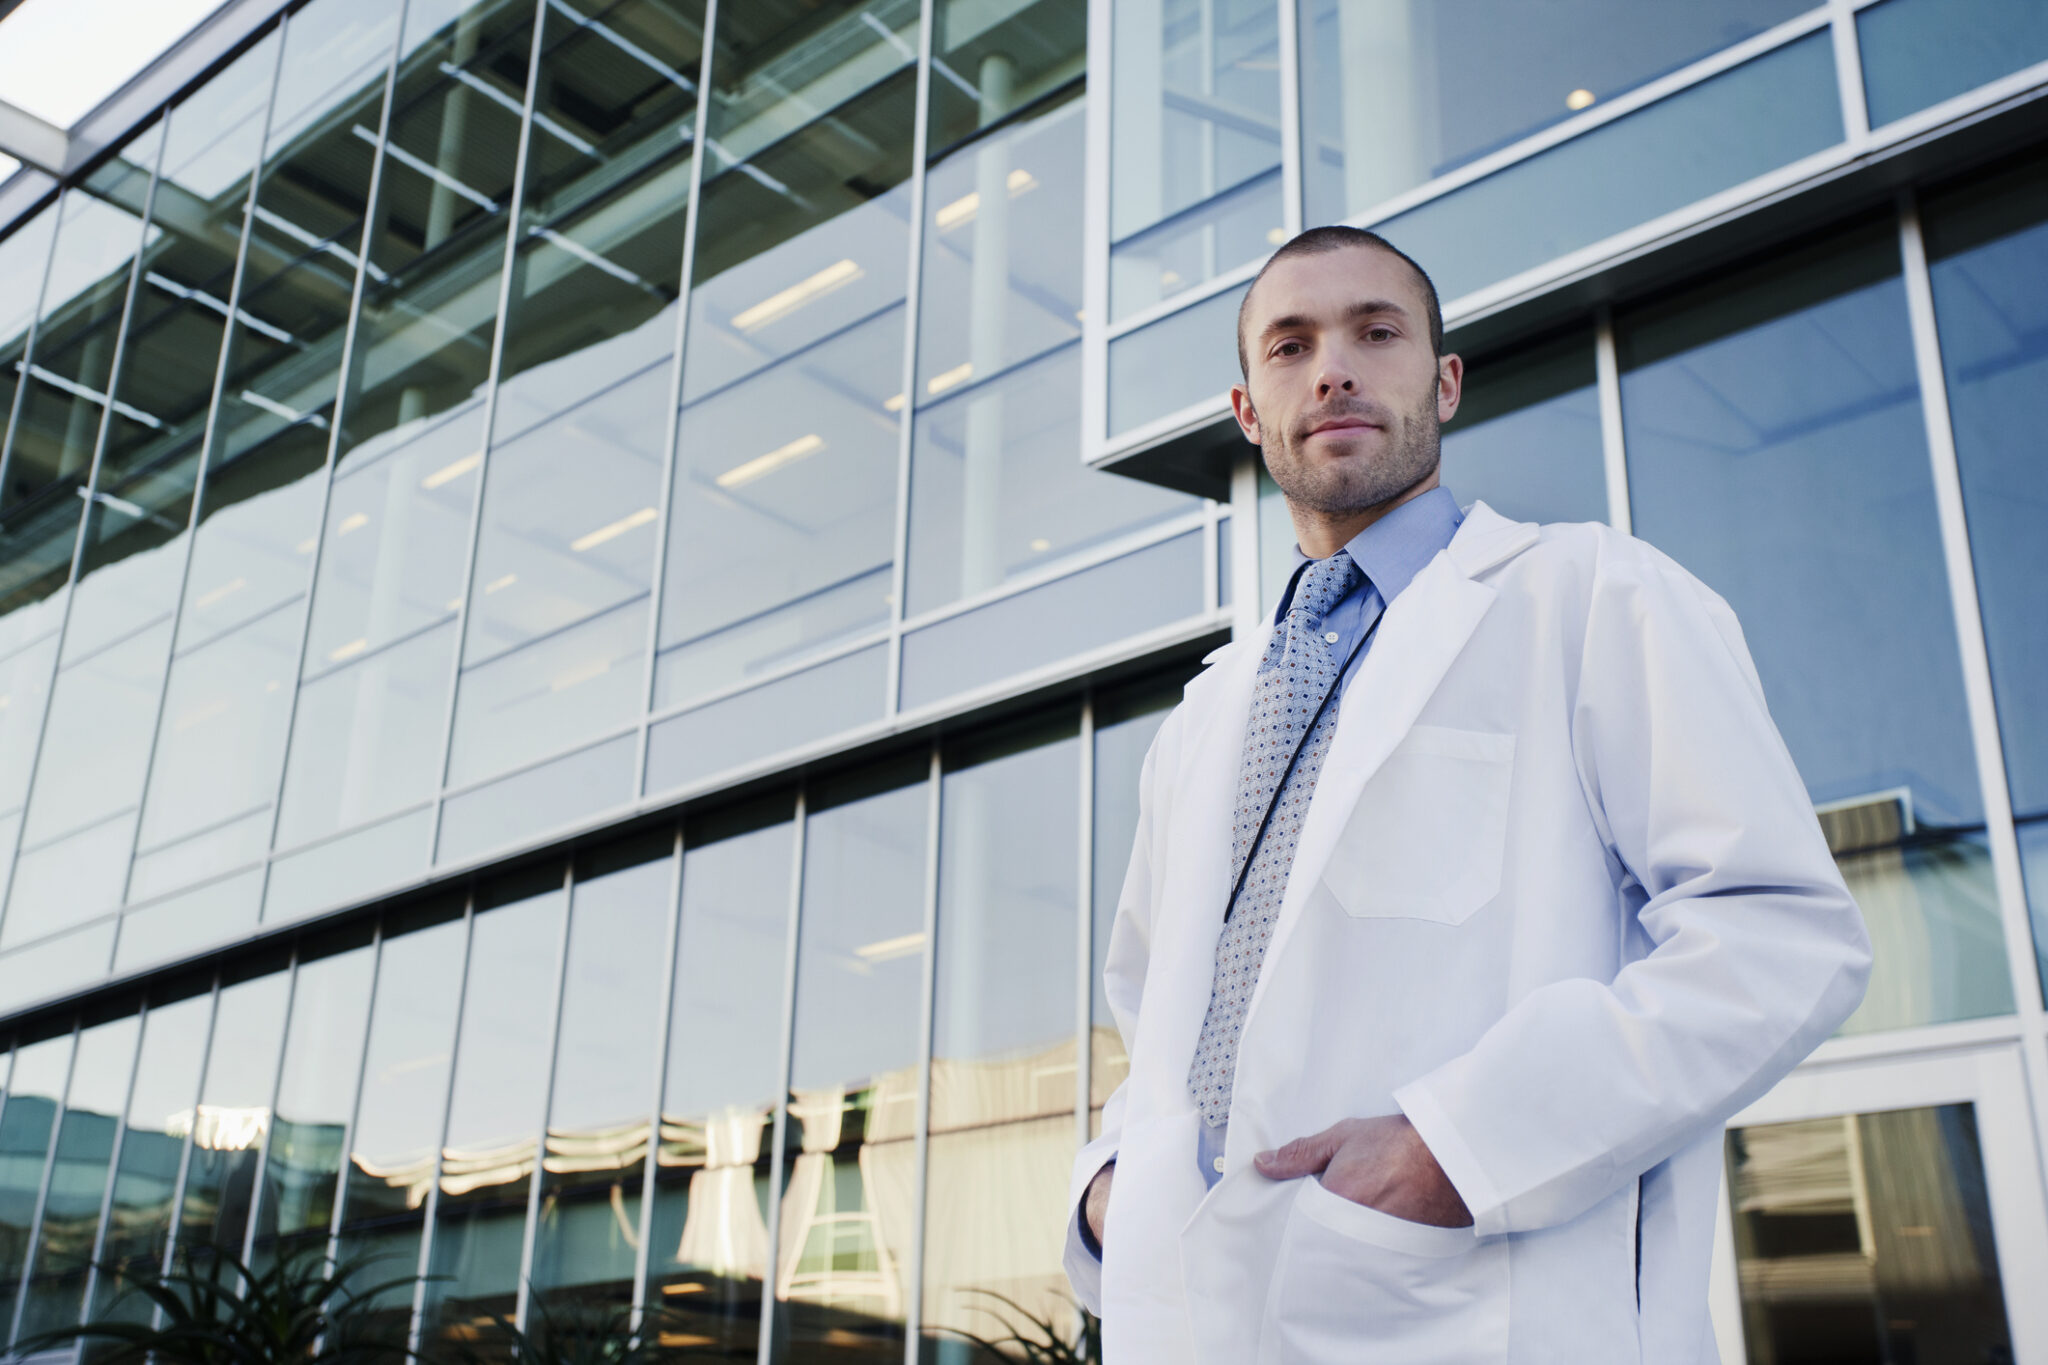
(1395, 548)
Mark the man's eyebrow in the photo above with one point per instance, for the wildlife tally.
(1361, 309)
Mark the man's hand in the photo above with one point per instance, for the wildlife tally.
(1381, 1163)
(1095, 1203)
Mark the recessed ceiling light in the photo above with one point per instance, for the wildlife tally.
(767, 464)
(781, 305)
(1580, 99)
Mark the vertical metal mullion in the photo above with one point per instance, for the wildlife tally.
(28, 347)
(35, 1224)
(927, 998)
(1084, 989)
(431, 1208)
(291, 1005)
(99, 1234)
(350, 330)
(1095, 237)
(192, 517)
(778, 1139)
(92, 483)
(1849, 71)
(540, 1145)
(355, 1106)
(2022, 958)
(913, 293)
(177, 1225)
(671, 434)
(515, 207)
(651, 1166)
(1212, 557)
(1613, 442)
(1290, 116)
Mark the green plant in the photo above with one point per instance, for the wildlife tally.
(214, 1310)
(1038, 1340)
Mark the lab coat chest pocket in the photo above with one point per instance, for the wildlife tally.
(1426, 839)
(1354, 1284)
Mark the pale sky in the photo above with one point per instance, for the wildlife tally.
(60, 58)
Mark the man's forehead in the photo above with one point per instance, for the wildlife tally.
(1332, 282)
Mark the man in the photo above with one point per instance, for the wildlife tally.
(1469, 899)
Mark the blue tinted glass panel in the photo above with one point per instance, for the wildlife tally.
(1764, 114)
(1092, 609)
(1776, 449)
(1988, 246)
(1920, 52)
(1174, 363)
(1526, 439)
(1195, 246)
(35, 1092)
(540, 798)
(790, 713)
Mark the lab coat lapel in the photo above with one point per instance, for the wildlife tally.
(1419, 637)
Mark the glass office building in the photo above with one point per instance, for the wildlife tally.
(583, 584)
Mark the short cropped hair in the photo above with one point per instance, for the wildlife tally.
(1318, 240)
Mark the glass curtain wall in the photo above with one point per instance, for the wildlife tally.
(470, 1089)
(1987, 245)
(1747, 405)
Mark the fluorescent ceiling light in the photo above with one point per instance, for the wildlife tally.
(225, 590)
(797, 295)
(500, 584)
(447, 473)
(612, 530)
(889, 949)
(349, 650)
(354, 521)
(767, 464)
(962, 210)
(959, 374)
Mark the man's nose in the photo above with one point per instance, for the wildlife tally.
(1333, 381)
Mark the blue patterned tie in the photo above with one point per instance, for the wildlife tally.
(1299, 669)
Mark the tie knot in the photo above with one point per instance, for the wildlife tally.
(1324, 586)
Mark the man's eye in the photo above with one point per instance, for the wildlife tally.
(1381, 334)
(1287, 348)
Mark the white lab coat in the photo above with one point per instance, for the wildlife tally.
(1560, 898)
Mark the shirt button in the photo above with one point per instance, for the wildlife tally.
(1218, 1164)
(1331, 636)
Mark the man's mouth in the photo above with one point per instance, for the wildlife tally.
(1342, 424)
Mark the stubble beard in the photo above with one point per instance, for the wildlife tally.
(1342, 487)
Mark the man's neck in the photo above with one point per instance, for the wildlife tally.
(1322, 534)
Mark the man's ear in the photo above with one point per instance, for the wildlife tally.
(1450, 386)
(1247, 415)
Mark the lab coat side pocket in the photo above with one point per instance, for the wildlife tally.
(1355, 1284)
(1429, 833)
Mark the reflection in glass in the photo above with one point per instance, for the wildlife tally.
(1457, 79)
(1196, 245)
(33, 1096)
(806, 204)
(987, 62)
(794, 711)
(497, 1105)
(219, 742)
(708, 1258)
(1168, 366)
(1195, 106)
(998, 489)
(1526, 439)
(1125, 725)
(1916, 54)
(35, 559)
(54, 1293)
(1002, 250)
(843, 1247)
(58, 412)
(1866, 1237)
(1748, 408)
(1768, 112)
(784, 513)
(160, 1115)
(404, 1101)
(552, 695)
(1003, 1060)
(592, 1172)
(1065, 619)
(316, 1089)
(233, 1119)
(24, 257)
(367, 740)
(1988, 250)
(547, 796)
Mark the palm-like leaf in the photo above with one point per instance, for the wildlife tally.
(1047, 1343)
(214, 1310)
